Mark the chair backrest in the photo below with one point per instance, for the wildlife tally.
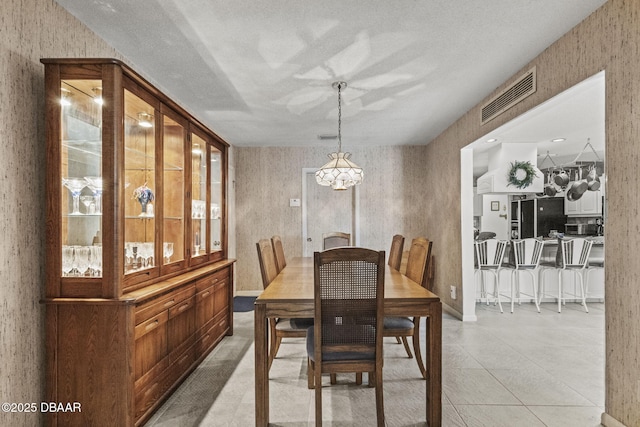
(575, 252)
(419, 260)
(348, 301)
(527, 252)
(395, 253)
(278, 252)
(335, 240)
(267, 261)
(490, 253)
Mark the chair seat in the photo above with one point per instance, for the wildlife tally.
(398, 323)
(330, 357)
(286, 324)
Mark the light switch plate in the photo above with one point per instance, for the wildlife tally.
(294, 202)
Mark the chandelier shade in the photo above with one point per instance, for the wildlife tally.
(340, 172)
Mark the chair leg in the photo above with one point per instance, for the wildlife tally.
(275, 345)
(534, 284)
(310, 374)
(379, 397)
(318, 395)
(582, 291)
(496, 289)
(406, 347)
(559, 291)
(513, 284)
(416, 347)
(333, 378)
(358, 378)
(398, 340)
(273, 341)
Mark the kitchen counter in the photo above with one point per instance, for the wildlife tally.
(597, 240)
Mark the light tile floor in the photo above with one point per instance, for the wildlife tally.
(520, 369)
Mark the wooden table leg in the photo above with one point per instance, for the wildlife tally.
(434, 365)
(261, 328)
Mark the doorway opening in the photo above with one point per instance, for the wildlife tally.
(325, 210)
(560, 128)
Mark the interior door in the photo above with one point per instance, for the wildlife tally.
(327, 210)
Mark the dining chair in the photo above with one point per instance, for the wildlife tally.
(526, 257)
(278, 252)
(574, 255)
(281, 327)
(335, 240)
(403, 327)
(490, 258)
(349, 310)
(395, 253)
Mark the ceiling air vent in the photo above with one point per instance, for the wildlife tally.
(516, 92)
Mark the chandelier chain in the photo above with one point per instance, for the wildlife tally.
(339, 117)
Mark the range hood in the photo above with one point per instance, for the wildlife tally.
(500, 159)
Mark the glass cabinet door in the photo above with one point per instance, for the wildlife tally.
(198, 196)
(216, 200)
(173, 225)
(139, 184)
(81, 169)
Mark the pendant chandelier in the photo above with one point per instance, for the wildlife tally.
(340, 173)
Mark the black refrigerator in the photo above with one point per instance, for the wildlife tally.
(539, 216)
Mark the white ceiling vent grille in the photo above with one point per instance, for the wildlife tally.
(516, 92)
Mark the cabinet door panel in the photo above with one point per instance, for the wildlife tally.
(150, 343)
(182, 324)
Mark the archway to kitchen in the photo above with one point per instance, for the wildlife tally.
(577, 117)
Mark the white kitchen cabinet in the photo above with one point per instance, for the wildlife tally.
(590, 204)
(477, 202)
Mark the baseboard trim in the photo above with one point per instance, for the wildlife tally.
(455, 313)
(608, 421)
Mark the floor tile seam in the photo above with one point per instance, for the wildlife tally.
(557, 380)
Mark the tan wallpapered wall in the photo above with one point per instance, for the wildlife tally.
(30, 29)
(607, 40)
(391, 202)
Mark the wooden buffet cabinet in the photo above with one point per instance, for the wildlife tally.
(138, 282)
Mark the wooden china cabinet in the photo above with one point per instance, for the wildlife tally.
(138, 283)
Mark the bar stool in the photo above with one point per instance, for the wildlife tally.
(527, 253)
(490, 258)
(575, 258)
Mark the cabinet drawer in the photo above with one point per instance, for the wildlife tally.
(150, 344)
(206, 339)
(180, 364)
(212, 279)
(146, 396)
(149, 325)
(152, 307)
(180, 307)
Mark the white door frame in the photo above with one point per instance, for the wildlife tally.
(355, 220)
(466, 228)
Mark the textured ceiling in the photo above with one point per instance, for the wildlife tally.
(260, 72)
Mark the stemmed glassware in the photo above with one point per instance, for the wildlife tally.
(95, 185)
(167, 250)
(75, 185)
(83, 258)
(87, 201)
(96, 260)
(68, 260)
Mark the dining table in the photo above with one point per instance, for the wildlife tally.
(290, 295)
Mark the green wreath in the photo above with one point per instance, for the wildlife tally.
(521, 174)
